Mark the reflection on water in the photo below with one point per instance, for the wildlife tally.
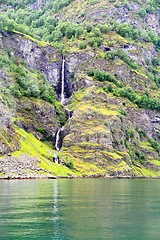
(57, 224)
(82, 209)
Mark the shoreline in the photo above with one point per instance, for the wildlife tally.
(77, 177)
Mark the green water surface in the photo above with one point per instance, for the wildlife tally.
(80, 209)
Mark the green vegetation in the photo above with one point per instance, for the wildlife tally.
(141, 132)
(101, 76)
(26, 83)
(23, 82)
(143, 101)
(123, 56)
(155, 145)
(30, 146)
(43, 22)
(129, 31)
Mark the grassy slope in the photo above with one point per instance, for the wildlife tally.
(30, 146)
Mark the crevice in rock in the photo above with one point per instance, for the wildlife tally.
(64, 92)
(64, 83)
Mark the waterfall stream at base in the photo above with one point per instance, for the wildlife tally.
(58, 136)
(58, 144)
(57, 140)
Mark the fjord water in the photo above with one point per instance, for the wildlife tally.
(80, 209)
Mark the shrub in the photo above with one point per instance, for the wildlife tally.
(42, 130)
(110, 88)
(104, 76)
(82, 45)
(124, 57)
(139, 155)
(105, 89)
(122, 111)
(69, 163)
(110, 55)
(95, 41)
(155, 62)
(142, 12)
(131, 133)
(155, 145)
(141, 132)
(90, 72)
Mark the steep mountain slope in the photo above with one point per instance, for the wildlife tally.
(111, 73)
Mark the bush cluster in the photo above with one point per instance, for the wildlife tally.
(143, 101)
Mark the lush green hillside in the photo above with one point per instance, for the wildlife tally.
(46, 21)
(112, 79)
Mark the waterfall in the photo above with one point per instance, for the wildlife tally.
(57, 140)
(57, 146)
(63, 79)
(58, 137)
(69, 113)
(56, 159)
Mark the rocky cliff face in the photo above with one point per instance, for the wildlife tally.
(100, 134)
(104, 131)
(109, 133)
(121, 12)
(8, 137)
(34, 115)
(44, 59)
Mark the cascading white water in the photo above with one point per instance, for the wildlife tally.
(57, 146)
(69, 113)
(56, 158)
(58, 142)
(57, 139)
(63, 79)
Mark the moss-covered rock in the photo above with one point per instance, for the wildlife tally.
(38, 117)
(8, 137)
(100, 135)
